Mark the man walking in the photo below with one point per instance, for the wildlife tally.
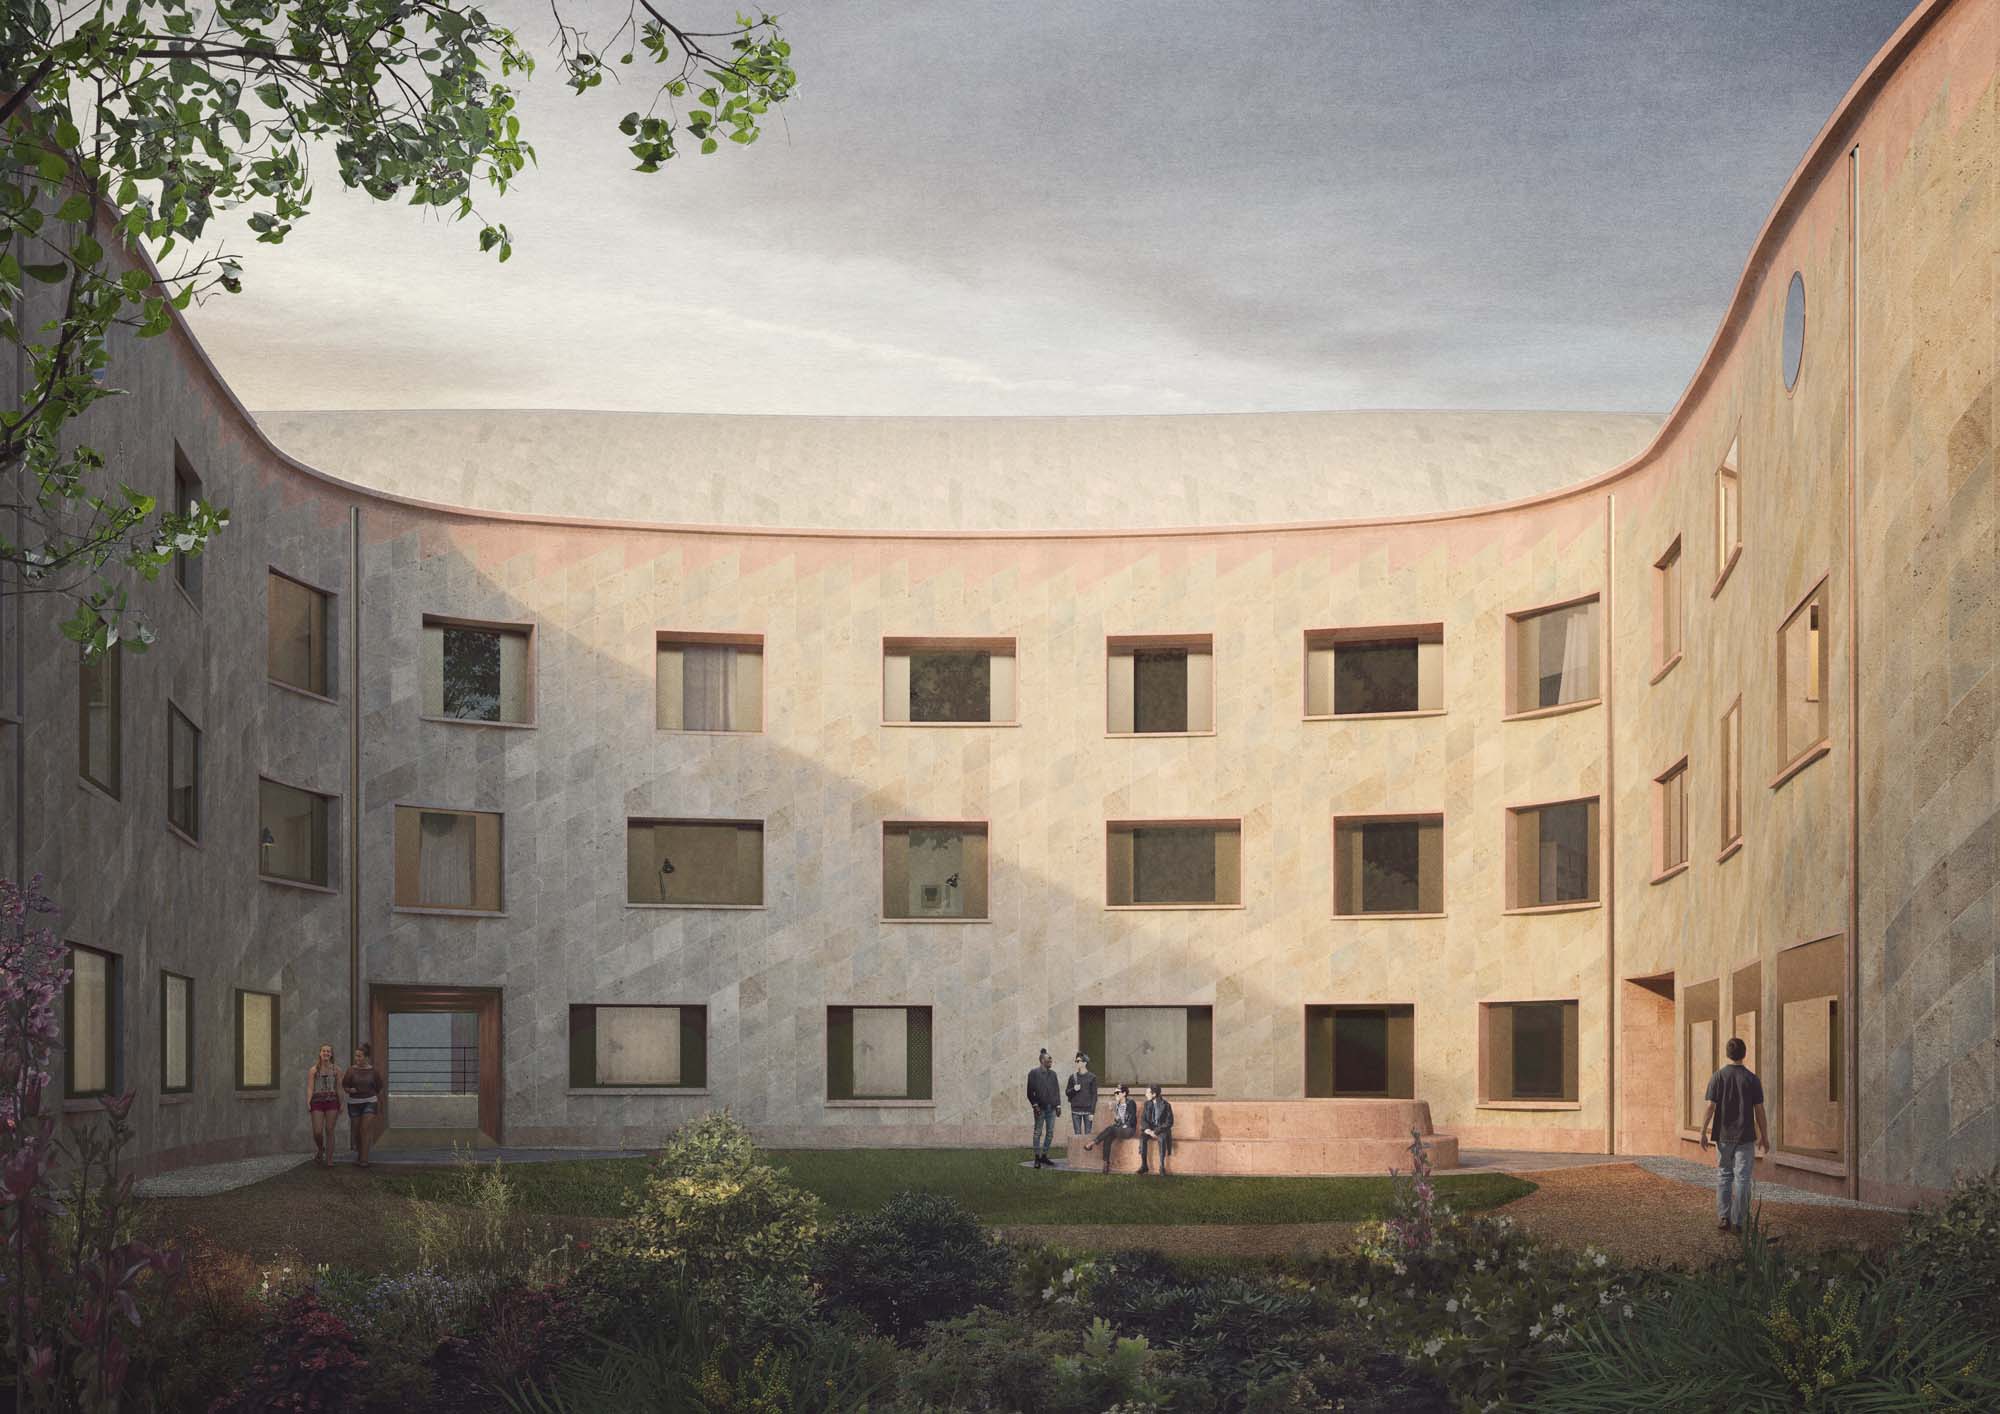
(1156, 1125)
(1124, 1124)
(1045, 1099)
(1081, 1091)
(1736, 1110)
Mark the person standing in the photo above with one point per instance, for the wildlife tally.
(1124, 1124)
(1736, 1111)
(1081, 1091)
(363, 1084)
(1045, 1099)
(1156, 1124)
(323, 1103)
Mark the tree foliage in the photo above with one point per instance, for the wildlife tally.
(130, 125)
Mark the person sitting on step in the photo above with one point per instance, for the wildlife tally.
(1156, 1124)
(1124, 1124)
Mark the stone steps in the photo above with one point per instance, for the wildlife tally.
(1284, 1137)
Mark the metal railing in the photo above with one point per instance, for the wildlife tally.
(434, 1070)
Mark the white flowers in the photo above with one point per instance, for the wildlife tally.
(1433, 1346)
(1628, 1308)
(1452, 1306)
(1601, 1260)
(1535, 1331)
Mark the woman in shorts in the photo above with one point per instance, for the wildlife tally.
(363, 1084)
(323, 1103)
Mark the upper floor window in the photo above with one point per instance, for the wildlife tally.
(1388, 864)
(1370, 672)
(1670, 820)
(1667, 610)
(91, 1029)
(1175, 864)
(695, 863)
(710, 682)
(639, 1047)
(1728, 516)
(477, 672)
(1552, 657)
(933, 870)
(187, 499)
(448, 859)
(183, 774)
(1802, 669)
(953, 681)
(100, 698)
(176, 1033)
(1730, 745)
(1160, 685)
(1553, 851)
(296, 621)
(292, 834)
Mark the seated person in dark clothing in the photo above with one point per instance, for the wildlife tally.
(1124, 1124)
(1156, 1123)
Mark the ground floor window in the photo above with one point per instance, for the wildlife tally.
(1150, 1045)
(256, 1040)
(1701, 1047)
(1528, 1052)
(1746, 1005)
(1361, 1052)
(90, 1030)
(1809, 1045)
(176, 1033)
(652, 1046)
(878, 1053)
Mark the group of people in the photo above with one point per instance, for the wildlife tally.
(1152, 1124)
(326, 1084)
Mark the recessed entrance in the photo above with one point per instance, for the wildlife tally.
(439, 1051)
(1646, 1078)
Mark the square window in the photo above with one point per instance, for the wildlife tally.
(1667, 608)
(183, 774)
(1728, 516)
(1810, 1044)
(1390, 864)
(292, 834)
(1552, 657)
(710, 683)
(878, 1053)
(695, 863)
(1529, 1052)
(1150, 1045)
(298, 651)
(256, 1040)
(448, 859)
(628, 1047)
(1193, 863)
(1802, 671)
(1160, 685)
(1701, 1047)
(1554, 849)
(933, 870)
(1670, 818)
(947, 681)
(91, 1030)
(476, 672)
(1361, 1052)
(176, 1033)
(187, 501)
(100, 700)
(1374, 671)
(1730, 745)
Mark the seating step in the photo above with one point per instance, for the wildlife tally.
(1271, 1157)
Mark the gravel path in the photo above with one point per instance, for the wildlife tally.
(207, 1180)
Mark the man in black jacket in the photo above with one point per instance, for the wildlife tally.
(1157, 1123)
(1081, 1091)
(1045, 1099)
(1124, 1124)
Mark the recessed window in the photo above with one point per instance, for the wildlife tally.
(710, 683)
(933, 870)
(1372, 672)
(1795, 329)
(1361, 1052)
(100, 698)
(878, 1053)
(948, 681)
(695, 863)
(176, 1033)
(296, 620)
(1188, 864)
(1528, 1052)
(1552, 657)
(1160, 685)
(1729, 742)
(1746, 1004)
(448, 859)
(638, 1047)
(1701, 1047)
(187, 501)
(1150, 1045)
(476, 672)
(1667, 607)
(90, 1030)
(256, 1040)
(1802, 665)
(1554, 853)
(1670, 818)
(1728, 516)
(1811, 982)
(183, 774)
(292, 834)
(1389, 864)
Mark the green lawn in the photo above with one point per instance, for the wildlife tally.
(992, 1183)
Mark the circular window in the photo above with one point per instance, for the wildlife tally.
(1795, 329)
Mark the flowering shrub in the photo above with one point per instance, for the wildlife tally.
(1414, 1209)
(523, 1334)
(311, 1360)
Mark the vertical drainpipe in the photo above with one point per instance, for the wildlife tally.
(353, 778)
(1609, 845)
(1851, 1039)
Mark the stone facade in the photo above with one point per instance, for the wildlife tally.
(1885, 840)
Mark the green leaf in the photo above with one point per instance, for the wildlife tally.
(75, 208)
(48, 274)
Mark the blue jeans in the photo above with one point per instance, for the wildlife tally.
(1734, 1165)
(1045, 1130)
(1082, 1121)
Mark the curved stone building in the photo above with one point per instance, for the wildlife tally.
(827, 768)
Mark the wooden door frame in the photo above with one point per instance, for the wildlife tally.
(484, 1002)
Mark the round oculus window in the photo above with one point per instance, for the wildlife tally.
(1795, 329)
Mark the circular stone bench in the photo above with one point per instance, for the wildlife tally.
(1282, 1137)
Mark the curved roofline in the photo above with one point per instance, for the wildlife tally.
(1820, 153)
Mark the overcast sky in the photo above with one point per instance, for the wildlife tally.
(1046, 206)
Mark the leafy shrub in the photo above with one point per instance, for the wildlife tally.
(310, 1360)
(1957, 1246)
(521, 1335)
(207, 1331)
(921, 1257)
(989, 1361)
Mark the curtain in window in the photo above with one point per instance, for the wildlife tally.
(182, 775)
(174, 1021)
(444, 860)
(90, 1017)
(881, 1052)
(638, 1045)
(296, 631)
(1145, 1045)
(513, 677)
(1579, 656)
(257, 1062)
(708, 680)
